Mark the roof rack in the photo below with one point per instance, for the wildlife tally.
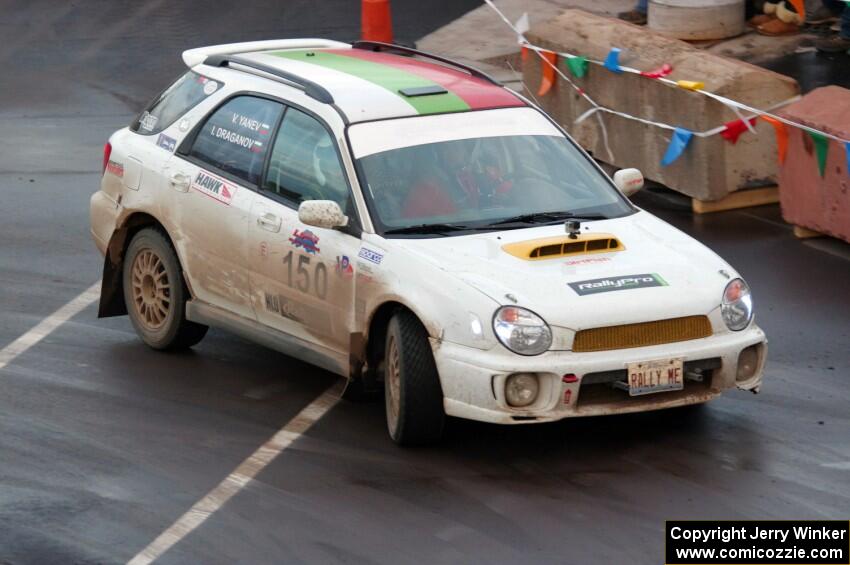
(310, 88)
(197, 55)
(400, 49)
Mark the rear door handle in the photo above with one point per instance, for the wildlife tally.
(269, 222)
(179, 182)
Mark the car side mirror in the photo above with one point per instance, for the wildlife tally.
(629, 181)
(322, 214)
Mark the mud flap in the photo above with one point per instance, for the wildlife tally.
(111, 288)
(362, 383)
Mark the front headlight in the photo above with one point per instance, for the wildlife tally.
(737, 305)
(522, 331)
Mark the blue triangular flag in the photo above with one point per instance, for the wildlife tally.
(681, 138)
(847, 149)
(612, 61)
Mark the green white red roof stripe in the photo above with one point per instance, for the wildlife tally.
(478, 93)
(393, 73)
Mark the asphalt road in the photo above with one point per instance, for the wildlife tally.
(105, 443)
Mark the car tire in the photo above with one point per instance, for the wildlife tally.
(155, 293)
(413, 396)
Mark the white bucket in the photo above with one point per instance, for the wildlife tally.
(698, 19)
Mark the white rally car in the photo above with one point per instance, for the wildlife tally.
(398, 218)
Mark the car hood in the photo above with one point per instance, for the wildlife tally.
(680, 276)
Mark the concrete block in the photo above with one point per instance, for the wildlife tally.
(807, 199)
(711, 167)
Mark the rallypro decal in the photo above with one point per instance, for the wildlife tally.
(610, 284)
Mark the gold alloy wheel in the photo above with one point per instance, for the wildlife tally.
(393, 383)
(151, 289)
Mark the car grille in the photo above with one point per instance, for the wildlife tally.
(642, 334)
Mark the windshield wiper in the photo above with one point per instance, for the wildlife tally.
(547, 217)
(427, 228)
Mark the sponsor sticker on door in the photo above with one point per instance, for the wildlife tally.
(167, 143)
(610, 284)
(214, 186)
(306, 240)
(370, 255)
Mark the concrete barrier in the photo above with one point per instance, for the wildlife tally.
(710, 168)
(809, 200)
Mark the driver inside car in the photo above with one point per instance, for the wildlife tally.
(445, 188)
(495, 184)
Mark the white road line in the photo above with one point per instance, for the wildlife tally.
(50, 323)
(240, 477)
(233, 483)
(841, 465)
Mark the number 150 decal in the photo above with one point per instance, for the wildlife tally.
(302, 280)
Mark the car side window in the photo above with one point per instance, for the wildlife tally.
(235, 138)
(176, 100)
(304, 163)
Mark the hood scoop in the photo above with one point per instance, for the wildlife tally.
(560, 246)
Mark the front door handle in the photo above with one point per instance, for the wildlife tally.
(180, 182)
(269, 222)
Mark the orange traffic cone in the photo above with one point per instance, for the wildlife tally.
(376, 23)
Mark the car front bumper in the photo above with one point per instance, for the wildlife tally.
(473, 380)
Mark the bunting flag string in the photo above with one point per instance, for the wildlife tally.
(578, 67)
(598, 108)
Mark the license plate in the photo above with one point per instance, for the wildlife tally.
(661, 375)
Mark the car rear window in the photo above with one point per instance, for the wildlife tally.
(176, 100)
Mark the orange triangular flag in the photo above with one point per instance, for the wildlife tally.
(548, 78)
(523, 53)
(781, 137)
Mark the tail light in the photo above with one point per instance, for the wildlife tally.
(107, 151)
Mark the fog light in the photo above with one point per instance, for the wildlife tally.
(748, 362)
(521, 389)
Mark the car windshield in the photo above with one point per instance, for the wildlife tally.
(505, 178)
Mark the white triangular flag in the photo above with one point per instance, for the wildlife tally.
(521, 24)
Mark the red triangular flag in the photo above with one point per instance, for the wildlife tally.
(734, 129)
(658, 73)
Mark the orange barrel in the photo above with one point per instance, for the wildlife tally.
(375, 21)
